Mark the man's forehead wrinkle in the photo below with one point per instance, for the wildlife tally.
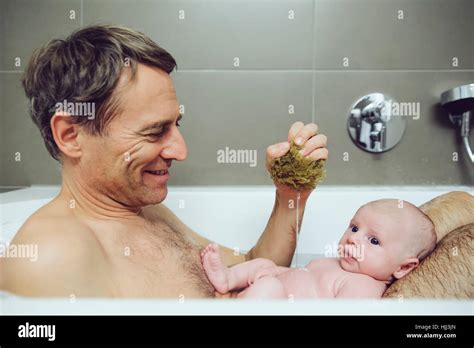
(128, 133)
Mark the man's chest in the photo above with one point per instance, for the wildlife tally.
(151, 259)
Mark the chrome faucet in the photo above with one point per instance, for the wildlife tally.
(374, 131)
(368, 122)
(459, 102)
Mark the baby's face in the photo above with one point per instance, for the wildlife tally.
(375, 242)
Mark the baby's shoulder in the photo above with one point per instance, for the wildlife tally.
(360, 278)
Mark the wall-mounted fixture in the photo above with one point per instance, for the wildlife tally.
(459, 102)
(371, 124)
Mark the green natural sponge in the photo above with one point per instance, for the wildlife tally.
(297, 171)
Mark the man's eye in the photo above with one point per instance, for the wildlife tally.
(155, 135)
(374, 241)
(355, 229)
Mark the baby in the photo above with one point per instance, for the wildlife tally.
(384, 241)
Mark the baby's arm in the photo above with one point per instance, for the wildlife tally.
(225, 279)
(359, 286)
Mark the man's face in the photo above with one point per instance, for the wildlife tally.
(130, 164)
(374, 241)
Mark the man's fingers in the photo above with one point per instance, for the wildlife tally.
(319, 154)
(294, 129)
(305, 133)
(314, 143)
(277, 150)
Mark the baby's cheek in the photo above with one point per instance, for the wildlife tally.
(380, 266)
(370, 260)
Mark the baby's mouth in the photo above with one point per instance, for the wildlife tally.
(350, 259)
(349, 254)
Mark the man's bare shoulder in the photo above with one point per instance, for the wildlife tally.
(60, 234)
(61, 257)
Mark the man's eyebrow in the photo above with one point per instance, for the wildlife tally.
(159, 124)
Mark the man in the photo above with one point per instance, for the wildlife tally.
(106, 234)
(447, 271)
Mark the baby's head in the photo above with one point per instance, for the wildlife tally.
(386, 239)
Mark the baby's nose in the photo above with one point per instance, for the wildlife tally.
(353, 239)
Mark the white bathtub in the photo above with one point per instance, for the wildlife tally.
(235, 217)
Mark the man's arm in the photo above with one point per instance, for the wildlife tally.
(450, 211)
(64, 260)
(447, 271)
(278, 241)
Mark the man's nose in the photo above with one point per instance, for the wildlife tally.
(176, 148)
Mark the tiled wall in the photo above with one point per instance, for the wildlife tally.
(291, 54)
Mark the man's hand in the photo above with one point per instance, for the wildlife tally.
(278, 240)
(314, 147)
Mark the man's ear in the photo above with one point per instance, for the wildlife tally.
(65, 134)
(406, 267)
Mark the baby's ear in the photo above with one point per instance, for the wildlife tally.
(406, 267)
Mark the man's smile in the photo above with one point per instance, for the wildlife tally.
(159, 176)
(158, 172)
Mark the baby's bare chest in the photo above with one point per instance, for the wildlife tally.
(319, 279)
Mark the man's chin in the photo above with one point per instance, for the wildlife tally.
(154, 195)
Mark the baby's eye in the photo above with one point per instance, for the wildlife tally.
(374, 241)
(355, 229)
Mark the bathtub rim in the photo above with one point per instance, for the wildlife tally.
(36, 192)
